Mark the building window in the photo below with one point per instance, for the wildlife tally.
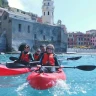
(48, 12)
(44, 37)
(17, 10)
(35, 36)
(44, 13)
(9, 21)
(41, 31)
(52, 13)
(48, 3)
(19, 27)
(5, 17)
(52, 38)
(28, 29)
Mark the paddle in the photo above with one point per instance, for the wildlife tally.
(13, 58)
(81, 67)
(71, 58)
(21, 64)
(74, 58)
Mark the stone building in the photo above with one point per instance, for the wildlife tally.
(20, 28)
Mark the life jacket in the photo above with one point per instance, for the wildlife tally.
(48, 59)
(25, 57)
(36, 56)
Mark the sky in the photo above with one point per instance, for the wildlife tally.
(77, 15)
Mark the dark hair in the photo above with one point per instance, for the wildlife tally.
(43, 45)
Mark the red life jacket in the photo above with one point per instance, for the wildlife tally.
(48, 58)
(25, 57)
(36, 56)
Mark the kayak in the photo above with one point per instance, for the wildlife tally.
(4, 71)
(12, 68)
(42, 81)
(74, 58)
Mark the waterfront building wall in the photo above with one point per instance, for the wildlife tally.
(79, 39)
(21, 29)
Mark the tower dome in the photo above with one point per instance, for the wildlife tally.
(48, 11)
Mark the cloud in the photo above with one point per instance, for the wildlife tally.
(33, 6)
(16, 4)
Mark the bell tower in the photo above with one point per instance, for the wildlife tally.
(48, 12)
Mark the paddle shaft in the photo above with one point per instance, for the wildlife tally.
(81, 67)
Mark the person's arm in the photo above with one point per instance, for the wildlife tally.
(19, 59)
(41, 60)
(33, 56)
(40, 56)
(56, 61)
(30, 56)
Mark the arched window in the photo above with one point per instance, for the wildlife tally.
(44, 13)
(44, 37)
(35, 36)
(48, 3)
(28, 29)
(48, 12)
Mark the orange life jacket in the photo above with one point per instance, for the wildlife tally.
(25, 57)
(48, 58)
(36, 56)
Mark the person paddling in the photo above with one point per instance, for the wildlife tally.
(37, 54)
(43, 50)
(48, 59)
(25, 56)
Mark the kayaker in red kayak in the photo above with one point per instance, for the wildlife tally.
(48, 59)
(43, 50)
(25, 56)
(36, 55)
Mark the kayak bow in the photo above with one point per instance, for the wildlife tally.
(4, 71)
(42, 81)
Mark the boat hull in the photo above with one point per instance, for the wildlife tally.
(4, 71)
(42, 81)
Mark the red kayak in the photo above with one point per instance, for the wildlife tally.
(42, 81)
(4, 71)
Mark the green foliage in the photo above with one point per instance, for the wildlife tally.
(0, 3)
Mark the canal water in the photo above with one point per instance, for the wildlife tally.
(78, 82)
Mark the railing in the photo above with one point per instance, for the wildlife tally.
(79, 50)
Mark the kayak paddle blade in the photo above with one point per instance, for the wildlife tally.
(86, 67)
(74, 58)
(13, 58)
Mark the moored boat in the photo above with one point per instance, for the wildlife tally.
(42, 81)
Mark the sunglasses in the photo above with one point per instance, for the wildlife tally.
(27, 47)
(50, 48)
(38, 51)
